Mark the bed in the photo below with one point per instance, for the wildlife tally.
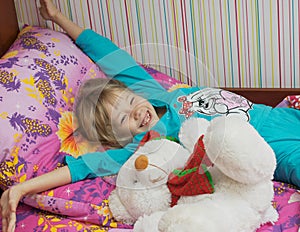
(40, 72)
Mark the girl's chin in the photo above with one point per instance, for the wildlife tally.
(124, 142)
(153, 123)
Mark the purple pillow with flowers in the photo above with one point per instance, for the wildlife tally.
(39, 78)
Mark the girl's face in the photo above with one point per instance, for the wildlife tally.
(131, 115)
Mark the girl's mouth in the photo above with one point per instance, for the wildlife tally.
(146, 119)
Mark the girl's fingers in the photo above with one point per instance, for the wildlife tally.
(12, 222)
(4, 224)
(3, 211)
(9, 202)
(13, 200)
(42, 2)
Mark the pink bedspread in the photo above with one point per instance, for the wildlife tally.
(286, 201)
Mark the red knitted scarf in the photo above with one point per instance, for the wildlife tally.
(194, 178)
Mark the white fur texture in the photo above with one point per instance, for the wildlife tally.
(242, 173)
(149, 184)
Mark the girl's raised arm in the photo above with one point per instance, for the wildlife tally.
(113, 61)
(49, 12)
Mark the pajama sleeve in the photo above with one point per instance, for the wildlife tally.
(96, 164)
(117, 63)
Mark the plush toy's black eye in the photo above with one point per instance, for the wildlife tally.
(135, 181)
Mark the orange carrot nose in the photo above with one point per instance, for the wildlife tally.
(141, 162)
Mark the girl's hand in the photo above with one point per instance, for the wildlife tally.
(12, 196)
(48, 10)
(9, 202)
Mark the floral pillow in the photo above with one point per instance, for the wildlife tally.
(39, 78)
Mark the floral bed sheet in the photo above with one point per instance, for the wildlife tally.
(39, 78)
(286, 201)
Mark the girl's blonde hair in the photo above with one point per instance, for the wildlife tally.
(91, 110)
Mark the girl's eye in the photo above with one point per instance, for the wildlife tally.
(132, 100)
(123, 119)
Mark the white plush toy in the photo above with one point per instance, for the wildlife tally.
(243, 166)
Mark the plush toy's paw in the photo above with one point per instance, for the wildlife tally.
(213, 214)
(237, 149)
(118, 209)
(148, 223)
(270, 215)
(195, 218)
(191, 130)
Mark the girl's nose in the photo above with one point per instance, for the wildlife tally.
(136, 114)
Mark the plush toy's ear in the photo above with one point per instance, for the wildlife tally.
(191, 130)
(118, 210)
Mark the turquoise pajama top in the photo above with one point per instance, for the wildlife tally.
(180, 104)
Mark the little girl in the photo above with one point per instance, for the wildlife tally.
(118, 111)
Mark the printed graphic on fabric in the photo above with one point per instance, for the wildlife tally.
(210, 101)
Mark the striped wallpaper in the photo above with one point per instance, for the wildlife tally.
(227, 43)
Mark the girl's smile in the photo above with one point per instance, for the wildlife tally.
(131, 115)
(147, 119)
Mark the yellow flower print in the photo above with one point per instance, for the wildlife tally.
(10, 54)
(42, 55)
(55, 40)
(3, 115)
(92, 73)
(57, 53)
(17, 137)
(103, 210)
(178, 86)
(68, 95)
(35, 168)
(25, 30)
(71, 142)
(68, 204)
